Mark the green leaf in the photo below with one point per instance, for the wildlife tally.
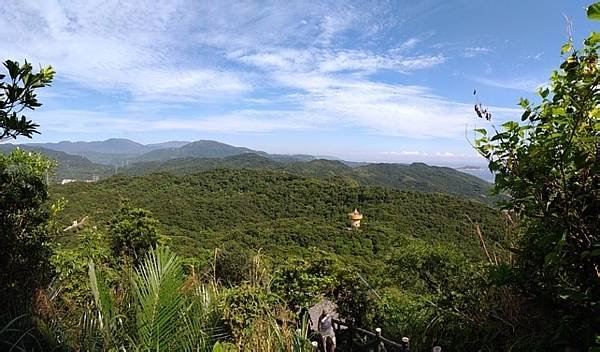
(593, 11)
(157, 287)
(593, 39)
(217, 347)
(482, 131)
(566, 48)
(524, 103)
(13, 68)
(510, 125)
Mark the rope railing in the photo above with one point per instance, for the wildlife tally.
(358, 339)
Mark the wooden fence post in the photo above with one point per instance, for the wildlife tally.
(379, 340)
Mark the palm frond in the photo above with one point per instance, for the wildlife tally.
(202, 324)
(102, 296)
(157, 285)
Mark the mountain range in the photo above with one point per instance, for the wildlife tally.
(85, 160)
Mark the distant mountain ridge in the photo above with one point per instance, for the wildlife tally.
(199, 149)
(127, 157)
(121, 152)
(109, 146)
(114, 151)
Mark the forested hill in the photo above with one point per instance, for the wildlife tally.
(209, 149)
(281, 212)
(68, 166)
(100, 159)
(415, 177)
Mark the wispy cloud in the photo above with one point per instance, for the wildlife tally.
(407, 45)
(476, 51)
(523, 84)
(535, 57)
(242, 121)
(405, 153)
(110, 45)
(325, 61)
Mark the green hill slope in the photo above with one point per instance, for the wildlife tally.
(282, 213)
(414, 177)
(198, 149)
(68, 165)
(113, 151)
(424, 178)
(186, 166)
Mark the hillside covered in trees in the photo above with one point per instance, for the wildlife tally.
(414, 177)
(282, 212)
(208, 155)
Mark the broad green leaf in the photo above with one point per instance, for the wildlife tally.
(593, 11)
(593, 39)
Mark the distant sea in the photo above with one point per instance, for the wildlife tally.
(482, 173)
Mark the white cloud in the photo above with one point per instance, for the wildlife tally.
(524, 84)
(322, 103)
(326, 61)
(407, 45)
(115, 45)
(536, 57)
(396, 110)
(253, 121)
(448, 154)
(243, 121)
(476, 51)
(405, 153)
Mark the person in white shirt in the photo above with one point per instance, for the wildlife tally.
(325, 326)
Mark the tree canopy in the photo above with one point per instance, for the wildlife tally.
(550, 166)
(17, 93)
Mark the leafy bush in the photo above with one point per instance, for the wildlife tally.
(24, 213)
(550, 166)
(133, 232)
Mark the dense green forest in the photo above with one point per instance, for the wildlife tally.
(291, 219)
(282, 213)
(414, 177)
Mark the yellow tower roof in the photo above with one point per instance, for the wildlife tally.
(355, 215)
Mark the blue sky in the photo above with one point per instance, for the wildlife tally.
(366, 80)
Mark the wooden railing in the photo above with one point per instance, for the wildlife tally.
(354, 339)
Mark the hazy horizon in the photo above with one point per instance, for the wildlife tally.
(434, 160)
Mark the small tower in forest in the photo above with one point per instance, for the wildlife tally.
(355, 218)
